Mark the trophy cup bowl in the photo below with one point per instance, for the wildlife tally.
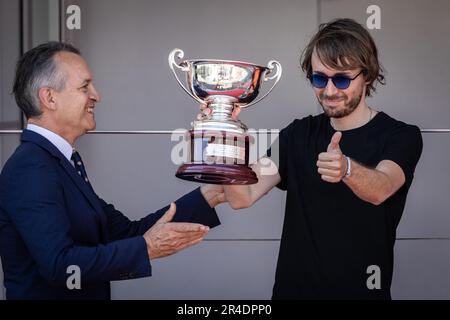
(218, 144)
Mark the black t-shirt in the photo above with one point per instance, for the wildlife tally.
(330, 236)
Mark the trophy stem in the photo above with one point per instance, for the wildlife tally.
(221, 112)
(222, 107)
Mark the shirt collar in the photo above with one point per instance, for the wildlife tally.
(59, 142)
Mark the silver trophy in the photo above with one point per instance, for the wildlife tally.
(219, 144)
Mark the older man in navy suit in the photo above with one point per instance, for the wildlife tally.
(51, 220)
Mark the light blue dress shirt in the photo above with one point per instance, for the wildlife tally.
(59, 142)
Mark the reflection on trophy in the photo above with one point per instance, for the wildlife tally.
(219, 144)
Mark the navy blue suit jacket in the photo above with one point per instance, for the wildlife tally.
(51, 219)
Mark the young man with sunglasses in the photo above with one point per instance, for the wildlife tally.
(347, 173)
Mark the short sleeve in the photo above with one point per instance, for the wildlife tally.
(279, 153)
(404, 147)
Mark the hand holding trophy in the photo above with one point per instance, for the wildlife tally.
(219, 143)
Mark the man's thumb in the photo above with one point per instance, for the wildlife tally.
(334, 144)
(168, 216)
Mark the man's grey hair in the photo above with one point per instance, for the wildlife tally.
(38, 69)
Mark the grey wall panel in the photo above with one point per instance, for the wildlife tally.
(412, 51)
(127, 48)
(134, 172)
(44, 21)
(428, 205)
(9, 52)
(141, 162)
(127, 52)
(422, 270)
(211, 270)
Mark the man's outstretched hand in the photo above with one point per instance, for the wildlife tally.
(165, 237)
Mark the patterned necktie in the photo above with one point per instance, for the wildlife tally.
(79, 166)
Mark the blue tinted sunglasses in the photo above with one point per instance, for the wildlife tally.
(340, 81)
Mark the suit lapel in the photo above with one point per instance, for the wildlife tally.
(87, 191)
(82, 185)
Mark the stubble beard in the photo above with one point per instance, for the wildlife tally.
(348, 108)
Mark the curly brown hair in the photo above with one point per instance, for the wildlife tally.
(344, 44)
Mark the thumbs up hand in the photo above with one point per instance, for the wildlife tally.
(334, 143)
(332, 164)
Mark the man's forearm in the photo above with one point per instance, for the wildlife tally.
(373, 185)
(238, 196)
(245, 196)
(369, 184)
(213, 194)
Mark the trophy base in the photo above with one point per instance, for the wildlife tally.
(229, 174)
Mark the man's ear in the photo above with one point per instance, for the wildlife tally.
(366, 80)
(47, 98)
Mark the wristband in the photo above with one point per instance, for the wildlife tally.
(349, 167)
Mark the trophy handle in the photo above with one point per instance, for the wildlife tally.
(267, 77)
(183, 66)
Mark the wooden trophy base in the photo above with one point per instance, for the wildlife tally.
(218, 157)
(236, 174)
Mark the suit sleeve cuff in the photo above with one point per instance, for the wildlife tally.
(140, 262)
(193, 207)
